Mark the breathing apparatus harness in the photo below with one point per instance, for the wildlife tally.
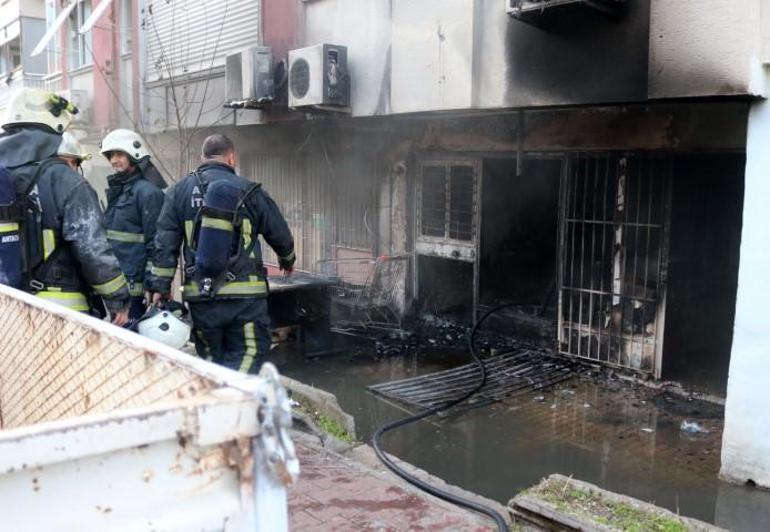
(22, 242)
(217, 222)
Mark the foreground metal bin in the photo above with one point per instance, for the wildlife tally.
(101, 429)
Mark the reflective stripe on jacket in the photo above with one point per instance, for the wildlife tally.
(260, 216)
(131, 218)
(77, 258)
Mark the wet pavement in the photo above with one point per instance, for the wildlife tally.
(620, 436)
(336, 493)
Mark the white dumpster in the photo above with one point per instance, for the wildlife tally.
(101, 429)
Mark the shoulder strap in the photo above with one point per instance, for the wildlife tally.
(36, 262)
(251, 189)
(199, 178)
(42, 166)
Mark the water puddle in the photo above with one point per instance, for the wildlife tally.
(621, 437)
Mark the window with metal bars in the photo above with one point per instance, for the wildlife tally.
(448, 201)
(614, 258)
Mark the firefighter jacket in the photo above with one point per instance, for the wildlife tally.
(77, 259)
(259, 215)
(133, 208)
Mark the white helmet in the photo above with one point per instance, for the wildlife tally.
(71, 147)
(165, 327)
(39, 107)
(125, 140)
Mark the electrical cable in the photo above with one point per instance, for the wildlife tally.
(493, 514)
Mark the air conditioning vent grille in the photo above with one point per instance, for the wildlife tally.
(299, 78)
(318, 78)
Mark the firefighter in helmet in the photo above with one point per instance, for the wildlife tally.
(215, 217)
(67, 257)
(134, 200)
(71, 152)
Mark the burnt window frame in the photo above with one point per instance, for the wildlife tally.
(447, 165)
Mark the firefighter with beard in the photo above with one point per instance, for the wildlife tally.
(64, 255)
(134, 200)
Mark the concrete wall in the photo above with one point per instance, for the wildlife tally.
(30, 8)
(279, 27)
(432, 55)
(83, 80)
(125, 111)
(463, 54)
(365, 28)
(26, 19)
(10, 10)
(32, 30)
(579, 57)
(764, 23)
(746, 438)
(706, 47)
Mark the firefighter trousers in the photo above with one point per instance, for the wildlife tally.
(234, 333)
(138, 308)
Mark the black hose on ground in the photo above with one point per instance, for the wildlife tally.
(502, 525)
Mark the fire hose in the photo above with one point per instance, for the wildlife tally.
(424, 486)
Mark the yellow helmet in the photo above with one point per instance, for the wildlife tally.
(30, 106)
(71, 147)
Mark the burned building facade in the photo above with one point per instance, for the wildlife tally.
(585, 166)
(600, 171)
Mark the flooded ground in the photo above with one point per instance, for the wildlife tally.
(621, 437)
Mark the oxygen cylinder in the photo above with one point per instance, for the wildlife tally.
(11, 254)
(215, 236)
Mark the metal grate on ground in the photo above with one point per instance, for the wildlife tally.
(515, 372)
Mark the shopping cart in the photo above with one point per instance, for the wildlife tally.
(370, 288)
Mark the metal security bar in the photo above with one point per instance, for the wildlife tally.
(614, 227)
(328, 214)
(518, 371)
(448, 201)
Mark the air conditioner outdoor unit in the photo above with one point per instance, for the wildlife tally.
(318, 77)
(249, 78)
(529, 10)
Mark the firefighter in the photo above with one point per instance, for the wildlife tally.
(67, 255)
(71, 152)
(217, 216)
(134, 200)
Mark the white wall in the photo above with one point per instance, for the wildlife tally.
(9, 11)
(126, 88)
(492, 80)
(463, 54)
(30, 8)
(365, 28)
(705, 47)
(746, 438)
(433, 44)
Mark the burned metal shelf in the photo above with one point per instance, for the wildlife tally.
(512, 373)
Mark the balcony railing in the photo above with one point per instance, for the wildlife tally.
(17, 80)
(53, 82)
